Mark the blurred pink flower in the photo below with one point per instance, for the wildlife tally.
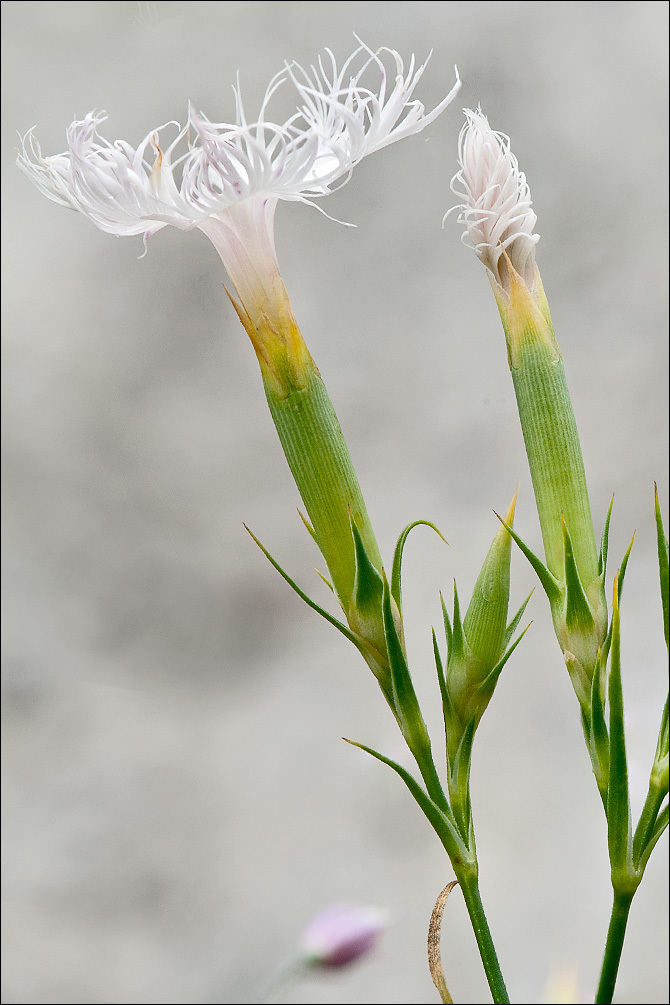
(342, 933)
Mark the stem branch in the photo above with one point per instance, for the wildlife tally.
(613, 947)
(473, 902)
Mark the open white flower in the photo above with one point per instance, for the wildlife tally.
(229, 176)
(497, 207)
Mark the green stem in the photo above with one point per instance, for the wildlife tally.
(470, 887)
(324, 474)
(613, 947)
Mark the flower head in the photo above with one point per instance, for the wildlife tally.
(342, 933)
(226, 178)
(338, 121)
(497, 207)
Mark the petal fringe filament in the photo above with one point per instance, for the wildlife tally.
(209, 167)
(496, 207)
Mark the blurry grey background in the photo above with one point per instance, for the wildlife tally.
(178, 799)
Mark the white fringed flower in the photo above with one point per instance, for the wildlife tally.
(497, 207)
(229, 176)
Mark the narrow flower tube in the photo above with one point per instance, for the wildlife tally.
(499, 222)
(226, 179)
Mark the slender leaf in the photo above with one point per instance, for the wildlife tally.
(396, 591)
(512, 626)
(460, 780)
(624, 566)
(599, 743)
(663, 566)
(410, 718)
(549, 583)
(618, 802)
(578, 614)
(659, 828)
(457, 635)
(348, 634)
(604, 543)
(441, 820)
(489, 683)
(448, 631)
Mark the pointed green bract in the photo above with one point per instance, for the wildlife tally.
(303, 596)
(487, 687)
(476, 646)
(457, 649)
(396, 591)
(624, 565)
(447, 624)
(440, 819)
(459, 782)
(406, 703)
(618, 803)
(599, 741)
(659, 780)
(364, 612)
(663, 565)
(550, 584)
(514, 623)
(604, 541)
(578, 614)
(485, 622)
(378, 665)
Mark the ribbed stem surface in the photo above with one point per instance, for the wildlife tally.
(321, 465)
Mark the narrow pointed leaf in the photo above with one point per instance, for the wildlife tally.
(457, 633)
(598, 735)
(406, 702)
(512, 626)
(447, 625)
(549, 583)
(440, 820)
(325, 580)
(663, 565)
(440, 669)
(310, 529)
(604, 543)
(451, 723)
(618, 803)
(348, 634)
(396, 591)
(578, 614)
(663, 735)
(659, 828)
(488, 685)
(367, 581)
(658, 790)
(624, 565)
(460, 778)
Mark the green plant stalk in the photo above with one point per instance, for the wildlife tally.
(321, 466)
(549, 427)
(613, 947)
(469, 884)
(555, 459)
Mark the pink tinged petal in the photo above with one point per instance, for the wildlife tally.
(341, 934)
